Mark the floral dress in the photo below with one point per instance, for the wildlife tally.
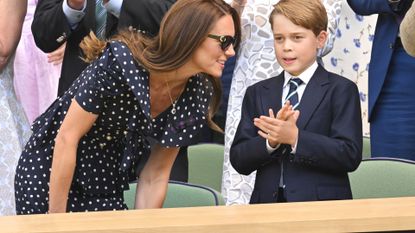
(14, 132)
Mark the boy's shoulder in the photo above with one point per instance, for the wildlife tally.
(269, 81)
(339, 79)
(321, 72)
(332, 78)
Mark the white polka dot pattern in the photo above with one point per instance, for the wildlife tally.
(116, 88)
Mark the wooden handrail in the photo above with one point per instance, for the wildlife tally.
(365, 215)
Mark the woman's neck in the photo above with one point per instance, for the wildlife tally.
(166, 88)
(175, 78)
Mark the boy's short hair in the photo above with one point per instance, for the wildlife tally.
(310, 14)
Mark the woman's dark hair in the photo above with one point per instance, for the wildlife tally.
(182, 30)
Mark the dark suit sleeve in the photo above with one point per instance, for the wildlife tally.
(341, 149)
(144, 15)
(248, 151)
(368, 7)
(49, 24)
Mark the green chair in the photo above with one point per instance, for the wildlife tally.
(383, 177)
(206, 165)
(180, 194)
(366, 154)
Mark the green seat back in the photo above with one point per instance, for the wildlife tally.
(180, 194)
(383, 177)
(206, 165)
(366, 148)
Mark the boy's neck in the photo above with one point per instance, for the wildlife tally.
(310, 69)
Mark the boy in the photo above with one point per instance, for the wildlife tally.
(299, 157)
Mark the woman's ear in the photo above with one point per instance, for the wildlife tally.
(321, 39)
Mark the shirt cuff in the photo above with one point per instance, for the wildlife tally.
(114, 7)
(271, 149)
(73, 16)
(294, 148)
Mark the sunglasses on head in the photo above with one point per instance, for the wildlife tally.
(225, 41)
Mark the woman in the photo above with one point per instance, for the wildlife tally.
(14, 128)
(36, 85)
(391, 82)
(141, 96)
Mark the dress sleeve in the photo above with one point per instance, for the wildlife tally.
(97, 83)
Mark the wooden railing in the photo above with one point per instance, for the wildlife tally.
(390, 214)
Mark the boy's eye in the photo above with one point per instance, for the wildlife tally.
(278, 38)
(298, 37)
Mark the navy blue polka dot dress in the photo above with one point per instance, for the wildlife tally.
(117, 89)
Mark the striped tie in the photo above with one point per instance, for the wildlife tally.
(292, 93)
(101, 18)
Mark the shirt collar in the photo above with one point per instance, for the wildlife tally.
(305, 76)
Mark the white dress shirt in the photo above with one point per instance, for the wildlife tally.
(75, 16)
(305, 77)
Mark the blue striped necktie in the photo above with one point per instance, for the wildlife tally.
(101, 18)
(292, 96)
(292, 93)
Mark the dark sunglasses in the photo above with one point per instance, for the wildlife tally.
(225, 41)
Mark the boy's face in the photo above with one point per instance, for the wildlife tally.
(295, 46)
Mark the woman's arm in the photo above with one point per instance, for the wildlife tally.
(12, 14)
(152, 184)
(76, 124)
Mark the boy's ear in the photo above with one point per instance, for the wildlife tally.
(321, 39)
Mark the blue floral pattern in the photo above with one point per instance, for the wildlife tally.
(351, 53)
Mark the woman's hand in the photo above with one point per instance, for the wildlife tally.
(238, 5)
(76, 4)
(56, 57)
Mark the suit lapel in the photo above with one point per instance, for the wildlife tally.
(271, 95)
(111, 27)
(314, 93)
(89, 19)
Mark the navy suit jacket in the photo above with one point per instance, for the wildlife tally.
(387, 28)
(329, 141)
(51, 29)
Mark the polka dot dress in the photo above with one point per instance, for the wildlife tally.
(117, 89)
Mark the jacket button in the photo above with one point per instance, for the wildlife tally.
(391, 45)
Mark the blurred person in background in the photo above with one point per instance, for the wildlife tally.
(391, 81)
(36, 74)
(14, 128)
(407, 30)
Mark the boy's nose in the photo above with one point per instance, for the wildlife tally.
(286, 45)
